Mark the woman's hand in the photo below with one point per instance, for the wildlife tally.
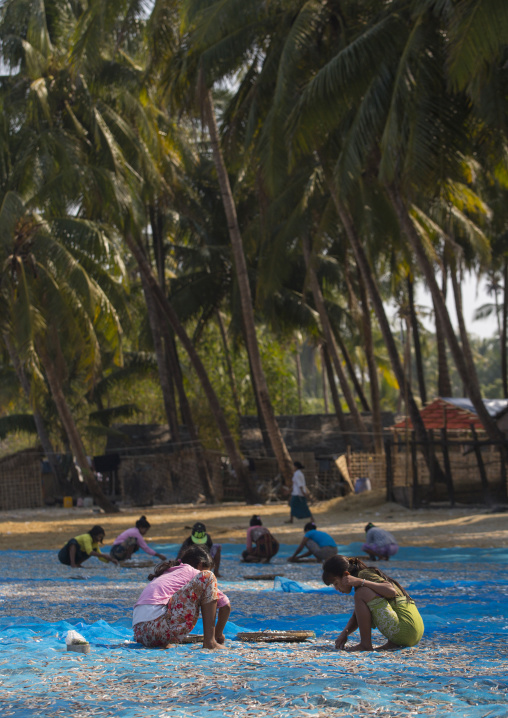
(353, 581)
(114, 560)
(341, 640)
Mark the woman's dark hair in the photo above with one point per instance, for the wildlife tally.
(255, 521)
(298, 465)
(336, 567)
(143, 523)
(310, 526)
(369, 526)
(194, 556)
(97, 531)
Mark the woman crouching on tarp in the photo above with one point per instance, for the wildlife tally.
(261, 545)
(380, 602)
(168, 608)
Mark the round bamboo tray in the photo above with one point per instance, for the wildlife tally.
(275, 636)
(193, 638)
(262, 576)
(137, 563)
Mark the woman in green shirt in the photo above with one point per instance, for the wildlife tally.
(80, 548)
(380, 602)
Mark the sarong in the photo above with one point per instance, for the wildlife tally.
(64, 557)
(299, 507)
(397, 619)
(181, 615)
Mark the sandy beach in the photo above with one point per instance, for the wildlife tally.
(344, 518)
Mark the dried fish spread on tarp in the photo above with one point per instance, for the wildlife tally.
(459, 668)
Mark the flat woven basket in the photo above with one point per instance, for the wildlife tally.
(137, 563)
(261, 637)
(275, 636)
(193, 638)
(262, 576)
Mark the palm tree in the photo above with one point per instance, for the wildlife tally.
(194, 59)
(396, 125)
(48, 296)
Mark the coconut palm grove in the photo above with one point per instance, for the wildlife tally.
(214, 211)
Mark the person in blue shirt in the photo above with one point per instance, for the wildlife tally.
(319, 545)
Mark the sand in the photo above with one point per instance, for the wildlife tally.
(344, 518)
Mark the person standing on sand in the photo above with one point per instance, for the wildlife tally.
(299, 507)
(380, 602)
(379, 543)
(168, 608)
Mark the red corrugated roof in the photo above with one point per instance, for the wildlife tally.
(440, 415)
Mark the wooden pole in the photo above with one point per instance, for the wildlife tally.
(389, 469)
(415, 502)
(481, 467)
(447, 467)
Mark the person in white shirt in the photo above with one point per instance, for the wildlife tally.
(298, 504)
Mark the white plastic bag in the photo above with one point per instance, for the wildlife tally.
(73, 637)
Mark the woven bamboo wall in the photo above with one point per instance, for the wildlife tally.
(464, 470)
(165, 478)
(372, 466)
(20, 481)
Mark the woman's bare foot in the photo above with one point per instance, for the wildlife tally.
(358, 647)
(213, 645)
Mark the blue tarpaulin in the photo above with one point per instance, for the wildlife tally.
(460, 667)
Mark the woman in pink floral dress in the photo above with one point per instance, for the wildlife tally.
(168, 607)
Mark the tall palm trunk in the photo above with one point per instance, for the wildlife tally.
(72, 432)
(250, 492)
(165, 379)
(201, 463)
(351, 370)
(330, 342)
(40, 424)
(169, 366)
(229, 364)
(416, 342)
(298, 363)
(323, 378)
(462, 355)
(377, 424)
(444, 385)
(377, 304)
(504, 326)
(333, 390)
(279, 447)
(356, 311)
(265, 438)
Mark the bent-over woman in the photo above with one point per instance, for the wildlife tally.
(380, 602)
(261, 545)
(78, 549)
(131, 540)
(317, 543)
(168, 608)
